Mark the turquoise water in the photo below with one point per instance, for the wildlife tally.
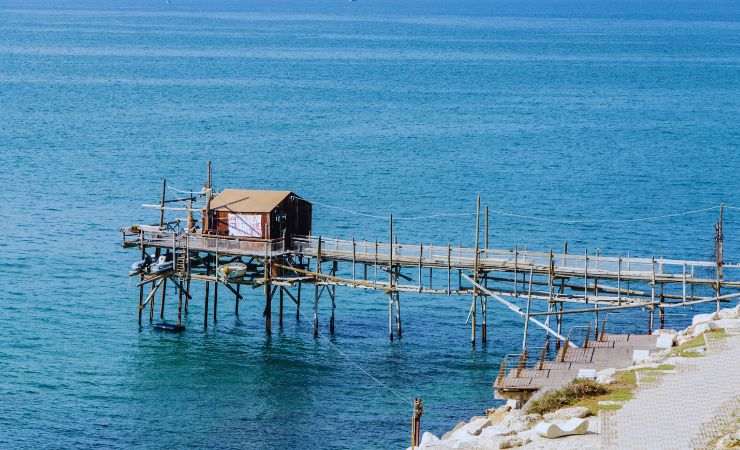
(574, 111)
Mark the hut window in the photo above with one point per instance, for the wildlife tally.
(248, 225)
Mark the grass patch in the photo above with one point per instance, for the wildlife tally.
(569, 395)
(689, 348)
(589, 393)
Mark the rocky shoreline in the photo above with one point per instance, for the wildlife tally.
(507, 427)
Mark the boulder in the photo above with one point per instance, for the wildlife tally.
(665, 341)
(562, 428)
(606, 376)
(701, 318)
(703, 328)
(427, 439)
(578, 412)
(474, 427)
(513, 441)
(453, 430)
(520, 422)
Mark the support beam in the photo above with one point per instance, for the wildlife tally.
(518, 311)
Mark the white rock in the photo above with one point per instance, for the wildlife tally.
(728, 313)
(703, 328)
(588, 374)
(606, 376)
(520, 422)
(454, 430)
(665, 341)
(428, 438)
(475, 426)
(513, 441)
(700, 318)
(568, 413)
(640, 356)
(560, 429)
(667, 331)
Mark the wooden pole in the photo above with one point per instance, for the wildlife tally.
(473, 324)
(161, 307)
(449, 268)
(236, 303)
(316, 293)
(390, 279)
(719, 240)
(526, 318)
(179, 306)
(268, 292)
(215, 302)
(416, 423)
(280, 319)
(141, 276)
(205, 302)
(333, 292)
(298, 303)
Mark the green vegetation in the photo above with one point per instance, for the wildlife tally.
(566, 396)
(689, 348)
(590, 394)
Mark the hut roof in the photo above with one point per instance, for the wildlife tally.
(246, 201)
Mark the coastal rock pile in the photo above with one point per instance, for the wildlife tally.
(507, 427)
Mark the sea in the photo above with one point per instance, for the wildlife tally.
(612, 126)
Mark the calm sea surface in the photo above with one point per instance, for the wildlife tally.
(571, 111)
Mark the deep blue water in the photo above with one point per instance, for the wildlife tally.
(568, 110)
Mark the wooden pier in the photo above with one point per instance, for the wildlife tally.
(281, 261)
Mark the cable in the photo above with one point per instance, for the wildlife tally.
(182, 191)
(527, 217)
(405, 399)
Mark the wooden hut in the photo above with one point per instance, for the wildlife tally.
(258, 214)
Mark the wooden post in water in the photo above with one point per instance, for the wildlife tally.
(164, 291)
(215, 301)
(333, 292)
(416, 423)
(298, 303)
(205, 302)
(268, 291)
(179, 304)
(141, 276)
(474, 305)
(719, 250)
(526, 317)
(390, 279)
(280, 318)
(236, 303)
(316, 292)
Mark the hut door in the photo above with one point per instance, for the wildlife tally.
(282, 225)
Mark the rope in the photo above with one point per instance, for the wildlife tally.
(581, 221)
(401, 397)
(527, 217)
(359, 213)
(183, 191)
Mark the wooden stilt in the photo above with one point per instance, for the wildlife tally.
(215, 302)
(298, 303)
(236, 300)
(205, 306)
(151, 306)
(281, 307)
(179, 305)
(316, 310)
(268, 295)
(187, 290)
